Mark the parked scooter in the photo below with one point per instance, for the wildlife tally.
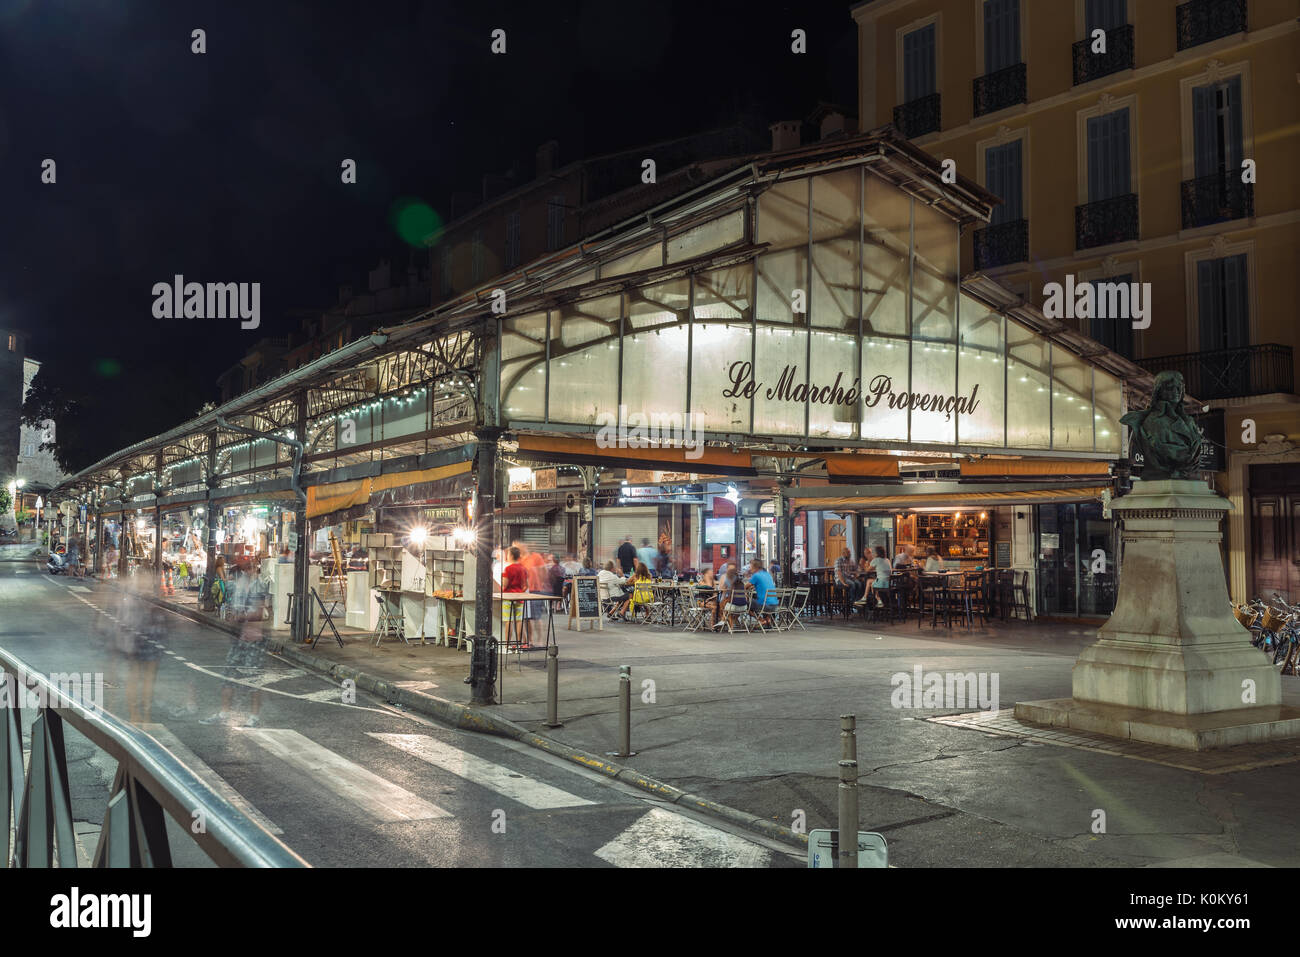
(56, 564)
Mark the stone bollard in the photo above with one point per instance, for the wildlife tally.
(553, 687)
(848, 830)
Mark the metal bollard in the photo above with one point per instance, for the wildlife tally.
(848, 737)
(848, 831)
(553, 687)
(624, 713)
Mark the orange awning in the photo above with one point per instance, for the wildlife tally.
(846, 465)
(323, 499)
(985, 468)
(973, 497)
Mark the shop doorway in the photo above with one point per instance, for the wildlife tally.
(1076, 561)
(834, 539)
(1275, 530)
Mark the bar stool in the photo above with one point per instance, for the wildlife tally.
(1021, 597)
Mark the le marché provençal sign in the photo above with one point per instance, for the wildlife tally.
(881, 388)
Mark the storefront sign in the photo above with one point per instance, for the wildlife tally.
(1214, 438)
(880, 388)
(444, 514)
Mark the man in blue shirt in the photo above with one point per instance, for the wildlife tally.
(764, 603)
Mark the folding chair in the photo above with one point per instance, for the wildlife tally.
(389, 625)
(694, 613)
(731, 611)
(792, 613)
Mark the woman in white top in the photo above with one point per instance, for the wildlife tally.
(932, 563)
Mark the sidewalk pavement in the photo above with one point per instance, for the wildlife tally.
(751, 722)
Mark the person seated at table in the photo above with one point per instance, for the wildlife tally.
(639, 593)
(514, 578)
(609, 582)
(731, 596)
(932, 561)
(882, 567)
(846, 576)
(765, 600)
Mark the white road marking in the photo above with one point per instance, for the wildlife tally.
(214, 780)
(363, 789)
(525, 790)
(415, 685)
(660, 838)
(81, 588)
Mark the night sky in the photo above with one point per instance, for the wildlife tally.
(225, 167)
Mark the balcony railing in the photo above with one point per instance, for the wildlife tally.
(1002, 244)
(1118, 55)
(1229, 373)
(1106, 221)
(1216, 199)
(918, 117)
(995, 91)
(1200, 21)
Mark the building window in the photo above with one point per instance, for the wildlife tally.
(1109, 213)
(555, 223)
(1114, 331)
(444, 269)
(1222, 303)
(512, 240)
(1006, 239)
(1108, 156)
(477, 267)
(918, 63)
(1001, 34)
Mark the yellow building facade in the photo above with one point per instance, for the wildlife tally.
(1135, 142)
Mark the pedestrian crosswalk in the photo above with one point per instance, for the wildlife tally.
(368, 792)
(655, 837)
(527, 791)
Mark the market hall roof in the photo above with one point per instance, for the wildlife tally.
(440, 346)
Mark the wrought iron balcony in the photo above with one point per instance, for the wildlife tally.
(919, 116)
(1118, 55)
(1200, 21)
(1002, 244)
(1106, 221)
(1216, 199)
(995, 91)
(1229, 373)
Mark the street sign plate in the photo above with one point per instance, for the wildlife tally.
(823, 847)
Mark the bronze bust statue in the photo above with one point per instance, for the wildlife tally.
(1164, 434)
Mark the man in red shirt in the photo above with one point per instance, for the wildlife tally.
(515, 578)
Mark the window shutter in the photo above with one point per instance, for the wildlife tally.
(1204, 130)
(1211, 323)
(1236, 302)
(918, 63)
(1104, 15)
(1235, 148)
(1120, 152)
(1001, 34)
(1097, 129)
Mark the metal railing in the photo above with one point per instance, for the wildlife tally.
(1002, 244)
(1227, 373)
(1217, 198)
(150, 781)
(1000, 89)
(1106, 221)
(1118, 55)
(1200, 21)
(918, 116)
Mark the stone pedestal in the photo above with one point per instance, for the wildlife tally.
(1172, 665)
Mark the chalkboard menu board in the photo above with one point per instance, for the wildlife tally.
(1002, 558)
(585, 600)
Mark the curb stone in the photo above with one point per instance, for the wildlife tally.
(466, 717)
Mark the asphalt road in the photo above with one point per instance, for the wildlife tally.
(344, 784)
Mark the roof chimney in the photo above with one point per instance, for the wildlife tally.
(834, 123)
(547, 156)
(785, 135)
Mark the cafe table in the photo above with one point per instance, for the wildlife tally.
(498, 598)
